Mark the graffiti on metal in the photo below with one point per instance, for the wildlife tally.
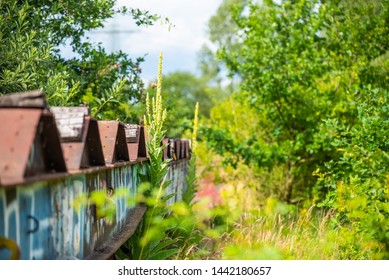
(43, 222)
(49, 160)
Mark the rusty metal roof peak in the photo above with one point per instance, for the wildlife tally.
(28, 99)
(29, 145)
(113, 141)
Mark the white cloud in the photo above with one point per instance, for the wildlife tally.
(179, 45)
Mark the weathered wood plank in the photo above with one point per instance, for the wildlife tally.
(70, 110)
(70, 121)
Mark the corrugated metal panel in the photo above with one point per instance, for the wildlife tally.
(187, 149)
(51, 144)
(172, 150)
(93, 142)
(132, 133)
(165, 144)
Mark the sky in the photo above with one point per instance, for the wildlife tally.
(179, 45)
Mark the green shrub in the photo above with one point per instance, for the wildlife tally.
(358, 179)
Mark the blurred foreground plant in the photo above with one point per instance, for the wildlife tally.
(166, 230)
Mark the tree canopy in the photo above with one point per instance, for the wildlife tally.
(31, 33)
(315, 76)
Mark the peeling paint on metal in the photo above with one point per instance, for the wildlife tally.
(42, 219)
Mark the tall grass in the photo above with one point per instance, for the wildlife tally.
(310, 235)
(259, 226)
(306, 237)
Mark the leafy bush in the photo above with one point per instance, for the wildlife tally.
(313, 92)
(357, 180)
(299, 64)
(31, 33)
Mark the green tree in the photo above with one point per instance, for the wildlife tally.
(315, 75)
(222, 28)
(181, 92)
(222, 32)
(31, 33)
(299, 63)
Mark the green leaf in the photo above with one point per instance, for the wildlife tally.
(163, 255)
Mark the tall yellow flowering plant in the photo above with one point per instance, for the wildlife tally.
(154, 120)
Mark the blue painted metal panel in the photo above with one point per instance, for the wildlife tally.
(130, 186)
(120, 202)
(92, 184)
(56, 204)
(27, 226)
(42, 240)
(11, 216)
(78, 188)
(128, 176)
(4, 253)
(41, 217)
(135, 182)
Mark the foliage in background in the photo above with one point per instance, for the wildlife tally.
(264, 227)
(277, 234)
(191, 179)
(31, 33)
(308, 124)
(357, 180)
(182, 90)
(300, 64)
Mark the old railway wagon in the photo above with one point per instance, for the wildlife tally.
(49, 158)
